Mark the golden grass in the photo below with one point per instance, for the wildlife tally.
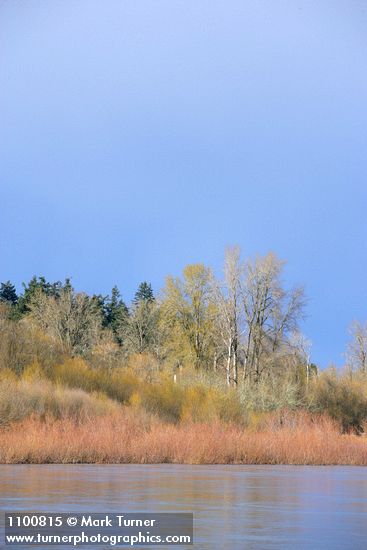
(161, 397)
(135, 437)
(20, 399)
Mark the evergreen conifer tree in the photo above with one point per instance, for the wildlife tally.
(144, 293)
(8, 293)
(116, 312)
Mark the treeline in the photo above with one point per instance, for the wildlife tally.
(239, 330)
(202, 349)
(243, 327)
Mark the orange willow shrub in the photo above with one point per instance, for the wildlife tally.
(131, 437)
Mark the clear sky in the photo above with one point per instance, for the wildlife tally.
(139, 136)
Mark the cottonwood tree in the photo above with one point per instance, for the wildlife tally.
(22, 343)
(187, 310)
(357, 348)
(271, 312)
(298, 348)
(72, 319)
(227, 297)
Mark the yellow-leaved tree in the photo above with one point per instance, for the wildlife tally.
(188, 317)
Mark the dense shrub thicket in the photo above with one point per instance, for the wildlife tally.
(78, 391)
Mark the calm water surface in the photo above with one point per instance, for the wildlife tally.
(235, 507)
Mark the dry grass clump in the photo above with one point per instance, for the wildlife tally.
(20, 399)
(132, 436)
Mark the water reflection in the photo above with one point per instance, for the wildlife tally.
(235, 507)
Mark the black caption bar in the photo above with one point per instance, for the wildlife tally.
(111, 529)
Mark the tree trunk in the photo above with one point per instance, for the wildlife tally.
(234, 363)
(228, 367)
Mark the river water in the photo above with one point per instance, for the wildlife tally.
(234, 507)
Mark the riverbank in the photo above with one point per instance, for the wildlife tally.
(134, 438)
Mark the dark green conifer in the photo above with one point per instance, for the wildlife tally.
(8, 293)
(144, 293)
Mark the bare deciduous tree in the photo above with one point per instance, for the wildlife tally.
(301, 347)
(71, 319)
(271, 312)
(357, 348)
(227, 297)
(140, 331)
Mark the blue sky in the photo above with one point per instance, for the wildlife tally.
(139, 136)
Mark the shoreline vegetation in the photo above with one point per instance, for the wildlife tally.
(297, 439)
(124, 419)
(209, 371)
